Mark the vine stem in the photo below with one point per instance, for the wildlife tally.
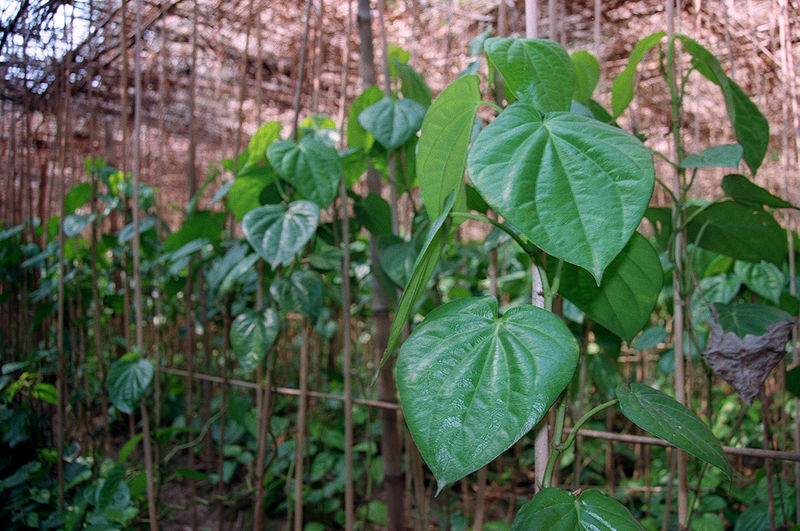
(559, 449)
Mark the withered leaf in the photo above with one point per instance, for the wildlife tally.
(746, 362)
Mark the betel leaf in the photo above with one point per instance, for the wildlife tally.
(577, 188)
(199, 224)
(740, 232)
(357, 136)
(413, 85)
(628, 293)
(587, 74)
(623, 87)
(257, 148)
(666, 418)
(560, 510)
(750, 127)
(472, 383)
(78, 195)
(392, 122)
(753, 319)
(245, 193)
(302, 292)
(374, 213)
(278, 232)
(476, 43)
(764, 278)
(310, 166)
(127, 380)
(743, 190)
(74, 224)
(537, 71)
(650, 338)
(442, 148)
(426, 262)
(727, 156)
(226, 270)
(252, 334)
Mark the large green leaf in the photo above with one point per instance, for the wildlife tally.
(442, 148)
(744, 191)
(279, 232)
(623, 87)
(576, 187)
(664, 417)
(127, 380)
(199, 224)
(726, 156)
(252, 334)
(750, 127)
(357, 136)
(245, 193)
(587, 74)
(764, 279)
(537, 71)
(392, 122)
(426, 262)
(559, 510)
(629, 291)
(302, 292)
(740, 232)
(472, 383)
(310, 166)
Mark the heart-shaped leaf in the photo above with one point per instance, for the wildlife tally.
(392, 122)
(629, 291)
(664, 417)
(252, 334)
(587, 74)
(246, 190)
(279, 232)
(302, 293)
(357, 136)
(537, 71)
(472, 383)
(309, 165)
(577, 188)
(764, 278)
(127, 380)
(557, 509)
(257, 148)
(442, 148)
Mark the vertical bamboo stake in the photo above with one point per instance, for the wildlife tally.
(679, 303)
(347, 356)
(264, 394)
(301, 427)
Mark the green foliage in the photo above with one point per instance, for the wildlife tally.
(472, 383)
(252, 334)
(309, 165)
(279, 232)
(127, 380)
(561, 510)
(392, 122)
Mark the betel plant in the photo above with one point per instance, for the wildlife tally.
(572, 190)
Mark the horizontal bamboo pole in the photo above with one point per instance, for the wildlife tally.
(282, 390)
(637, 439)
(618, 437)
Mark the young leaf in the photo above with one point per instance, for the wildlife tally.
(472, 383)
(764, 279)
(622, 88)
(252, 334)
(423, 269)
(739, 232)
(727, 156)
(127, 380)
(442, 148)
(664, 417)
(744, 191)
(537, 71)
(245, 193)
(257, 148)
(629, 291)
(310, 166)
(392, 122)
(558, 509)
(577, 188)
(413, 85)
(279, 232)
(587, 74)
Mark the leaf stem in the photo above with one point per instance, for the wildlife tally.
(492, 105)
